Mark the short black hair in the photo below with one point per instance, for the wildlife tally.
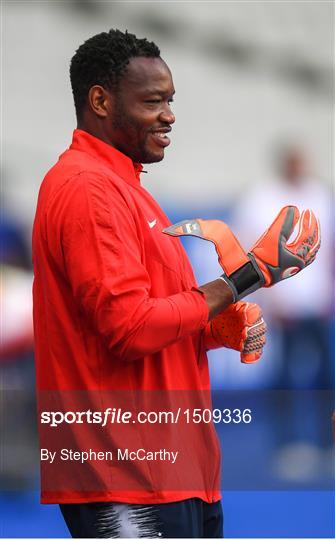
(102, 59)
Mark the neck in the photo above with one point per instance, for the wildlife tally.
(96, 130)
(95, 125)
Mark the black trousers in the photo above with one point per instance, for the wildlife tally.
(192, 518)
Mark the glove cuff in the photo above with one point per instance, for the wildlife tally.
(245, 280)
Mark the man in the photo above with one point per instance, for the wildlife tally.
(117, 309)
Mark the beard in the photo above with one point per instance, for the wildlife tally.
(131, 138)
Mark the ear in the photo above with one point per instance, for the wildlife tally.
(100, 101)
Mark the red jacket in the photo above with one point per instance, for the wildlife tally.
(116, 307)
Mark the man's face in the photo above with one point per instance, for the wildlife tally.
(141, 116)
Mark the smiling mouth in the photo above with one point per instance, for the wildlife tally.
(160, 138)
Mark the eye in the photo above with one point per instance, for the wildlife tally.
(152, 100)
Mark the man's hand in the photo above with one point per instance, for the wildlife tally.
(270, 260)
(240, 327)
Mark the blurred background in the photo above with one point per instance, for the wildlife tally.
(255, 131)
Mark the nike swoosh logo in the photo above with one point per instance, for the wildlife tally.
(152, 223)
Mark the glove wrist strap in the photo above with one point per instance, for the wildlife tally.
(245, 280)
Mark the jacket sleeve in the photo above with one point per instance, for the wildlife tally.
(101, 256)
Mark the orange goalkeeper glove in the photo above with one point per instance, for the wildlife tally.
(240, 327)
(270, 260)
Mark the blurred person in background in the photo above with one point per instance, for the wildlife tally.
(18, 430)
(300, 310)
(116, 305)
(300, 315)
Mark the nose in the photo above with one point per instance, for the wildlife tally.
(167, 115)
